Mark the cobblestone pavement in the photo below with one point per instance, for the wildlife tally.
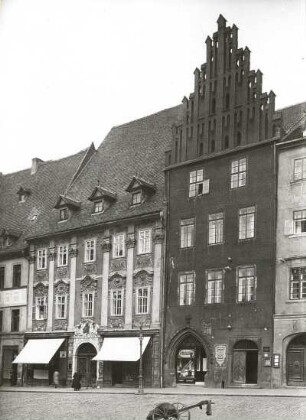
(82, 406)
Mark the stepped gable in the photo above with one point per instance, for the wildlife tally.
(227, 108)
(44, 184)
(133, 149)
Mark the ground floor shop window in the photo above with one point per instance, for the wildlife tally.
(191, 361)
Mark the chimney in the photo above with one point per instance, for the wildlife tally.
(35, 164)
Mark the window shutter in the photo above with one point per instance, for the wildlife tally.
(206, 186)
(288, 227)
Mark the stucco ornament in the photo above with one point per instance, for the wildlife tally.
(86, 329)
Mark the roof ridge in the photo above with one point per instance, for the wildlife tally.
(146, 116)
(290, 106)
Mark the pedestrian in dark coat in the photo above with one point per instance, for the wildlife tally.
(76, 383)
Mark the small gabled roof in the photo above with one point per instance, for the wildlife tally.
(12, 233)
(63, 201)
(100, 192)
(24, 191)
(138, 182)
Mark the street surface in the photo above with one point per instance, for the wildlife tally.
(84, 406)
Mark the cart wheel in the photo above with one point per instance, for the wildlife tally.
(165, 411)
(185, 415)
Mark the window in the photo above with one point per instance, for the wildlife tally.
(40, 310)
(136, 198)
(247, 223)
(142, 300)
(187, 233)
(2, 277)
(22, 198)
(197, 185)
(90, 250)
(144, 241)
(298, 283)
(15, 320)
(98, 207)
(299, 171)
(119, 245)
(246, 284)
(88, 305)
(215, 228)
(214, 286)
(63, 213)
(60, 306)
(17, 275)
(299, 222)
(186, 288)
(62, 257)
(41, 259)
(116, 302)
(238, 173)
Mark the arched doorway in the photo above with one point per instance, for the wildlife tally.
(191, 361)
(85, 365)
(245, 362)
(296, 361)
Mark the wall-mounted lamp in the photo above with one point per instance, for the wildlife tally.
(265, 328)
(229, 327)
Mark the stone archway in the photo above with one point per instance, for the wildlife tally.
(188, 358)
(296, 361)
(85, 365)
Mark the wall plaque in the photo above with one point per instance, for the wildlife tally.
(220, 354)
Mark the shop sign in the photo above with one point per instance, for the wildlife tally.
(186, 353)
(220, 354)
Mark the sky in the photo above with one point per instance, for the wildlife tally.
(70, 70)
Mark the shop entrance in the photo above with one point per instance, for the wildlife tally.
(85, 365)
(9, 371)
(191, 361)
(245, 362)
(296, 361)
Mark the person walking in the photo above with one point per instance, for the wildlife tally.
(56, 378)
(76, 382)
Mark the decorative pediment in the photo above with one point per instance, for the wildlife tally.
(88, 284)
(143, 278)
(61, 288)
(116, 282)
(64, 201)
(40, 289)
(100, 193)
(138, 183)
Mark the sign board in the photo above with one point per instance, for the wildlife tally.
(14, 297)
(186, 353)
(220, 354)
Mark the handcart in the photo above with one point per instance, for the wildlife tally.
(167, 411)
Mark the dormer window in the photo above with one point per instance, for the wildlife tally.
(8, 237)
(23, 193)
(98, 206)
(136, 198)
(63, 214)
(102, 199)
(65, 205)
(140, 189)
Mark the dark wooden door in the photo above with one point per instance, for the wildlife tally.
(239, 367)
(117, 373)
(295, 366)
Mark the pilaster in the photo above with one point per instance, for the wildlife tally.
(158, 239)
(52, 256)
(106, 247)
(30, 287)
(130, 244)
(73, 253)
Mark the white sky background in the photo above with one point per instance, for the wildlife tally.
(72, 69)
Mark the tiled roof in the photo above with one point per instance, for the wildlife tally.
(291, 115)
(137, 148)
(50, 180)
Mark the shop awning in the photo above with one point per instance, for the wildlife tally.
(39, 351)
(121, 349)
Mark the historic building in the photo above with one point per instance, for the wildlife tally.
(24, 199)
(96, 264)
(289, 358)
(220, 180)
